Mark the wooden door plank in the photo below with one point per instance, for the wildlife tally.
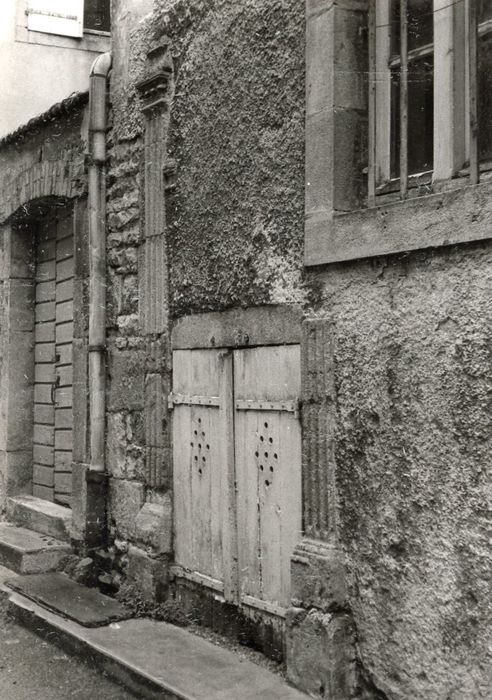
(64, 375)
(64, 225)
(291, 485)
(64, 269)
(273, 374)
(201, 494)
(44, 352)
(45, 271)
(42, 393)
(44, 476)
(64, 353)
(44, 332)
(44, 434)
(63, 460)
(63, 397)
(45, 291)
(44, 373)
(43, 454)
(64, 311)
(63, 418)
(64, 248)
(42, 492)
(247, 450)
(44, 414)
(226, 553)
(64, 333)
(64, 291)
(46, 251)
(182, 439)
(63, 439)
(45, 312)
(63, 483)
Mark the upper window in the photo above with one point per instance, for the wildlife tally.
(431, 90)
(68, 17)
(97, 14)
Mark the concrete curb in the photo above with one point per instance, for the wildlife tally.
(63, 634)
(155, 659)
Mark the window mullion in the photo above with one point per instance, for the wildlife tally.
(449, 89)
(472, 56)
(403, 99)
(372, 141)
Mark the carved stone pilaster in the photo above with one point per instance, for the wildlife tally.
(320, 637)
(318, 411)
(153, 269)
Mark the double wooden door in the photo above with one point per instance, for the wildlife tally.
(53, 335)
(237, 471)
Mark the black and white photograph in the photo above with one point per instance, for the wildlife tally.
(246, 349)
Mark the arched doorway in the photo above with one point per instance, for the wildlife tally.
(53, 259)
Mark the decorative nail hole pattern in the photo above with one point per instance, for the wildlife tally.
(198, 448)
(260, 454)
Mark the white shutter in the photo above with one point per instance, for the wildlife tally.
(63, 17)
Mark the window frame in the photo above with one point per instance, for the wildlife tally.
(453, 136)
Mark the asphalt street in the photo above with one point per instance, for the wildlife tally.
(34, 669)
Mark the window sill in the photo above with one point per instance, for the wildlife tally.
(459, 214)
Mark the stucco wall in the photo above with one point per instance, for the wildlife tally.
(413, 441)
(48, 66)
(235, 221)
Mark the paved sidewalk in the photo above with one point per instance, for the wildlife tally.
(158, 660)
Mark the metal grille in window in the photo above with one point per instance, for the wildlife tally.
(405, 67)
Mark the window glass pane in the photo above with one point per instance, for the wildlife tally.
(484, 10)
(420, 116)
(420, 106)
(484, 89)
(420, 24)
(97, 15)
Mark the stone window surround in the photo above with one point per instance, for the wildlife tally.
(337, 229)
(92, 40)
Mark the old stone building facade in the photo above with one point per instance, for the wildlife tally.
(293, 371)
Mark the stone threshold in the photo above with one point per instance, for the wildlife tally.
(156, 659)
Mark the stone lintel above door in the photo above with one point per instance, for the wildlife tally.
(262, 325)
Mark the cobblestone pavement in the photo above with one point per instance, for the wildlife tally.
(33, 669)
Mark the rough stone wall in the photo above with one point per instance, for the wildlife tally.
(414, 403)
(45, 160)
(48, 157)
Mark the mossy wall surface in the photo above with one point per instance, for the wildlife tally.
(413, 372)
(235, 221)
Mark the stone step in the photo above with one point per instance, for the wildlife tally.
(157, 660)
(41, 516)
(28, 552)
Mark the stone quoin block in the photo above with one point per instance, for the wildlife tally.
(148, 574)
(320, 653)
(126, 500)
(154, 525)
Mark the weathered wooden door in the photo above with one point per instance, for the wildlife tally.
(268, 472)
(52, 433)
(203, 467)
(237, 471)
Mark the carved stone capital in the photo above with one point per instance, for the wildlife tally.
(153, 90)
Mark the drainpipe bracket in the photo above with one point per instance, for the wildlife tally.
(98, 348)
